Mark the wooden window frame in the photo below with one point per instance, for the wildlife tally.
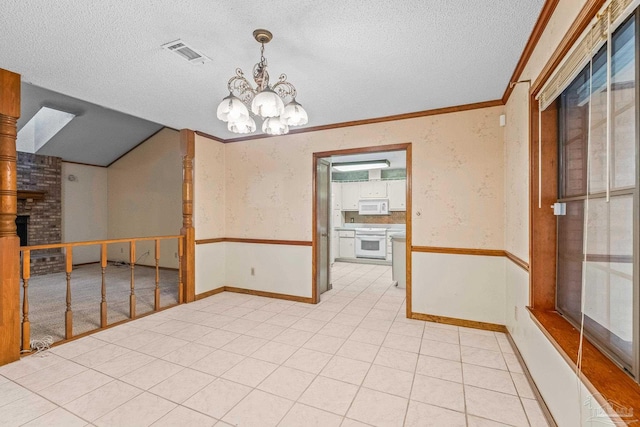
(609, 384)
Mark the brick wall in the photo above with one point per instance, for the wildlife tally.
(42, 173)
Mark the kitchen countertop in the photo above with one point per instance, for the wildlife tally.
(389, 227)
(400, 237)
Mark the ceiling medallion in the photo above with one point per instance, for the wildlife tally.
(265, 101)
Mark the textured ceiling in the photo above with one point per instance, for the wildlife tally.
(349, 60)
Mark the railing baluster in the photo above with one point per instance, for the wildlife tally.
(132, 297)
(26, 325)
(68, 324)
(103, 302)
(180, 270)
(157, 293)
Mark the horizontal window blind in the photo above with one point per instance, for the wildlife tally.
(594, 37)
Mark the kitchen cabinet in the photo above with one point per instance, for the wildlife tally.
(347, 243)
(397, 191)
(373, 190)
(350, 196)
(336, 196)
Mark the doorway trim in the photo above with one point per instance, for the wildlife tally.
(406, 147)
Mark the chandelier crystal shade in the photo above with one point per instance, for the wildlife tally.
(266, 102)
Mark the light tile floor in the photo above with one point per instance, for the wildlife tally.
(234, 359)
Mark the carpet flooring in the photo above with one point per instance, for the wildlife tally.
(47, 297)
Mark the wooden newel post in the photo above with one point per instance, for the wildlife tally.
(187, 145)
(9, 241)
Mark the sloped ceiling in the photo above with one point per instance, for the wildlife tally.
(350, 60)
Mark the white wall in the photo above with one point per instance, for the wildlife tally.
(283, 269)
(145, 198)
(84, 208)
(470, 287)
(566, 397)
(210, 267)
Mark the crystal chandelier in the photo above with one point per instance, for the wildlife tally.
(265, 101)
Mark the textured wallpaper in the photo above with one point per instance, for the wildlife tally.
(209, 178)
(458, 179)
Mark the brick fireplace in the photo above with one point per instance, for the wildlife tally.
(40, 209)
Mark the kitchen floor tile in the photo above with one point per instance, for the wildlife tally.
(303, 415)
(293, 337)
(259, 409)
(424, 415)
(57, 418)
(434, 391)
(182, 416)
(217, 362)
(217, 398)
(379, 409)
(495, 406)
(481, 357)
(102, 400)
(440, 349)
(250, 372)
(46, 377)
(149, 375)
(25, 409)
(74, 387)
(308, 360)
(184, 384)
(142, 410)
(329, 395)
(489, 378)
(439, 368)
(274, 352)
(324, 343)
(441, 335)
(345, 369)
(402, 342)
(397, 359)
(389, 380)
(245, 345)
(287, 382)
(368, 336)
(358, 351)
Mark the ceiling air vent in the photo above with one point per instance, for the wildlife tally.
(185, 51)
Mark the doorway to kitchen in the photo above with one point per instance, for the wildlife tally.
(362, 212)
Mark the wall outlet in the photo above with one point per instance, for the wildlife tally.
(176, 255)
(515, 312)
(121, 250)
(253, 271)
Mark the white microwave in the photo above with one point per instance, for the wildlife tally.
(373, 207)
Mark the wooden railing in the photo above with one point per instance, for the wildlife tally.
(26, 251)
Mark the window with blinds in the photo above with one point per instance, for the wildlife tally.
(597, 251)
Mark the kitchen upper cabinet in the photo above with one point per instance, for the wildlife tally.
(373, 190)
(397, 194)
(336, 196)
(350, 196)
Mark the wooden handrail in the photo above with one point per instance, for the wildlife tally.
(27, 251)
(96, 242)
